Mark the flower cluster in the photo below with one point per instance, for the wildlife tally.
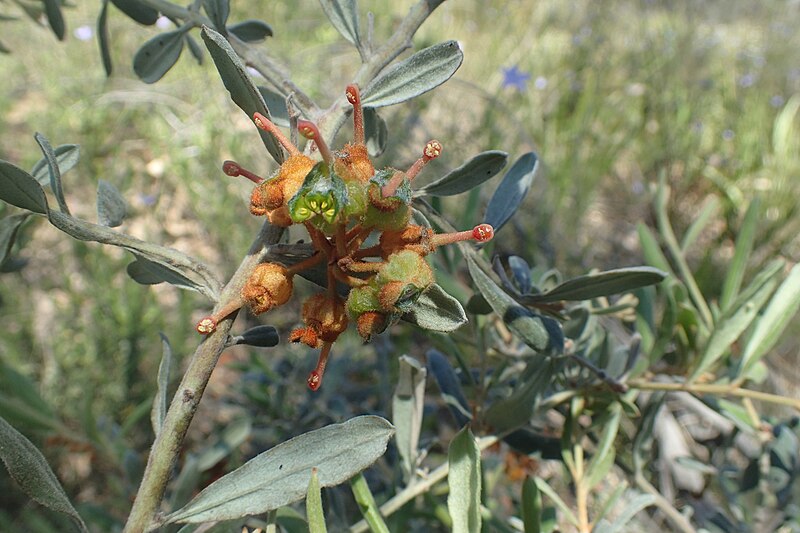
(343, 202)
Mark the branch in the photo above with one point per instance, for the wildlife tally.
(720, 390)
(167, 445)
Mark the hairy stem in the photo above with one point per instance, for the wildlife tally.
(169, 440)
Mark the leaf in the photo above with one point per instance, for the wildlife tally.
(464, 480)
(103, 39)
(449, 386)
(190, 273)
(738, 265)
(9, 226)
(159, 411)
(651, 250)
(468, 176)
(603, 459)
(28, 467)
(251, 30)
(416, 75)
(314, 512)
(531, 506)
(111, 208)
(539, 332)
(407, 411)
(66, 157)
(146, 272)
(260, 336)
(366, 503)
(239, 85)
(19, 188)
(276, 104)
(343, 15)
(600, 284)
(376, 133)
(55, 18)
(550, 493)
(138, 11)
(738, 317)
(53, 171)
(699, 224)
(780, 311)
(279, 476)
(158, 55)
(512, 190)
(435, 310)
(218, 11)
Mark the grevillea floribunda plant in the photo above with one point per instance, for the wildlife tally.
(342, 201)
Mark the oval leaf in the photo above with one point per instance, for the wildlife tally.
(260, 336)
(343, 15)
(111, 208)
(19, 188)
(138, 11)
(9, 226)
(280, 476)
(218, 11)
(539, 332)
(601, 284)
(464, 480)
(449, 386)
(103, 40)
(435, 310)
(52, 170)
(423, 71)
(376, 133)
(52, 8)
(408, 403)
(512, 190)
(468, 176)
(30, 470)
(158, 55)
(66, 157)
(148, 272)
(239, 85)
(251, 30)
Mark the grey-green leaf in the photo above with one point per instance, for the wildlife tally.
(138, 11)
(66, 156)
(218, 11)
(28, 467)
(191, 274)
(276, 104)
(148, 272)
(779, 312)
(158, 55)
(9, 226)
(407, 409)
(512, 190)
(376, 133)
(260, 336)
(531, 506)
(111, 207)
(600, 284)
(314, 512)
(468, 176)
(539, 332)
(280, 476)
(53, 171)
(418, 74)
(435, 310)
(343, 15)
(464, 480)
(159, 411)
(103, 38)
(239, 85)
(19, 188)
(251, 30)
(55, 18)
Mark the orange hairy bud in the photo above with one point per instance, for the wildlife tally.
(352, 163)
(307, 336)
(392, 241)
(326, 316)
(292, 173)
(280, 217)
(266, 197)
(370, 323)
(269, 286)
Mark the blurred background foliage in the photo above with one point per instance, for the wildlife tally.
(613, 96)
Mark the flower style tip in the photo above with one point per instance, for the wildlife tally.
(267, 125)
(233, 169)
(315, 377)
(480, 233)
(310, 131)
(354, 97)
(432, 150)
